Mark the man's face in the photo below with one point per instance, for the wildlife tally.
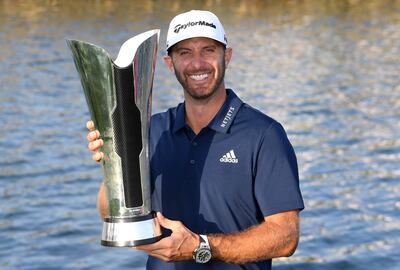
(199, 65)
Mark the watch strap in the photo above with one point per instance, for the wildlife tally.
(204, 240)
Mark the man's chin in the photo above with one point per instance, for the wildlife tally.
(200, 95)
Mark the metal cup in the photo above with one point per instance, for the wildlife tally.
(118, 94)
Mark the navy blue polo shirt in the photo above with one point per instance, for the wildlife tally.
(228, 177)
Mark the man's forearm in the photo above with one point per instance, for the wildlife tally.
(277, 236)
(102, 202)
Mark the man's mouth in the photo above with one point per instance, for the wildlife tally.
(199, 77)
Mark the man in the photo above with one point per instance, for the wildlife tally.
(223, 173)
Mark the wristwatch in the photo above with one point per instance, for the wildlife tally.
(202, 253)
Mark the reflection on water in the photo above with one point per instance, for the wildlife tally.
(327, 69)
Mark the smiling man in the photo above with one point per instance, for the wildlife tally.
(224, 175)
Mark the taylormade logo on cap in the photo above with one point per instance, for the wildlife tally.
(195, 23)
(184, 26)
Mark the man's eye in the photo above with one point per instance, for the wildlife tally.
(182, 53)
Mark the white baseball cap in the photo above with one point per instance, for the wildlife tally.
(195, 23)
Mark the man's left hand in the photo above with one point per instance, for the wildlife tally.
(178, 246)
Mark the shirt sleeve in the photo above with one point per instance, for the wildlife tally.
(276, 175)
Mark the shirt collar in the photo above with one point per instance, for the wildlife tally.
(225, 116)
(222, 120)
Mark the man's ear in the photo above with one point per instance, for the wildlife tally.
(228, 55)
(168, 61)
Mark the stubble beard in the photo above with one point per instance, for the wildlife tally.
(210, 91)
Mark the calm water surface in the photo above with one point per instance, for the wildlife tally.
(328, 70)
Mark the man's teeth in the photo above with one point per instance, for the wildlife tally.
(199, 77)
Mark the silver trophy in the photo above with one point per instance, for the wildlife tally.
(118, 94)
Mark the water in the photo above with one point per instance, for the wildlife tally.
(328, 70)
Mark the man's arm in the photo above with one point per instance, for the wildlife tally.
(102, 202)
(276, 236)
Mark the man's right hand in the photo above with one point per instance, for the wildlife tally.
(95, 142)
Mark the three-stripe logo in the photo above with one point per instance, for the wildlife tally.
(229, 157)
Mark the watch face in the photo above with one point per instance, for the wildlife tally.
(203, 255)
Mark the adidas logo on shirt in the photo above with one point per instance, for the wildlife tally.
(229, 157)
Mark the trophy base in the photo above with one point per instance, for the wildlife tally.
(131, 231)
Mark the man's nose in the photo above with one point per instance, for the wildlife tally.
(197, 60)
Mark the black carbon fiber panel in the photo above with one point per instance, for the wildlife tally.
(127, 135)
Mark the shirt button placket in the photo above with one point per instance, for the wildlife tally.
(193, 161)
